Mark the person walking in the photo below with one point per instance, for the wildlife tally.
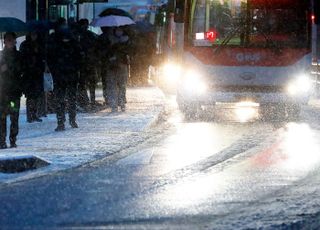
(64, 58)
(33, 54)
(10, 89)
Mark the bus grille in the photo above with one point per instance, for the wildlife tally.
(249, 89)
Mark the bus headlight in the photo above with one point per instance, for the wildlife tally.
(171, 73)
(193, 83)
(301, 85)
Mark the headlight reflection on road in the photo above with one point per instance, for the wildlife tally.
(192, 143)
(246, 110)
(195, 191)
(301, 147)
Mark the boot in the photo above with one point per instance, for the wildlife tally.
(13, 142)
(74, 124)
(3, 146)
(60, 127)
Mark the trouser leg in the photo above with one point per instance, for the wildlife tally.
(14, 118)
(60, 95)
(122, 79)
(112, 94)
(42, 105)
(32, 108)
(3, 127)
(71, 96)
(104, 75)
(28, 109)
(92, 90)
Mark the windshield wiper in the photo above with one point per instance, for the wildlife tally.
(226, 40)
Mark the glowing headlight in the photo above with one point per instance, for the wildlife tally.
(193, 83)
(171, 73)
(300, 85)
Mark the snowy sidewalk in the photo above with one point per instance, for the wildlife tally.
(99, 134)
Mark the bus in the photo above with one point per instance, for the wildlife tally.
(253, 52)
(316, 43)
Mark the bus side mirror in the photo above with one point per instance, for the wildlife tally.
(179, 11)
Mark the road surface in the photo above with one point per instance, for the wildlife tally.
(204, 174)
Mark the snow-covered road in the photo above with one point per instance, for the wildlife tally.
(193, 175)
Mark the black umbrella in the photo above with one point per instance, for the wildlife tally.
(115, 11)
(9, 24)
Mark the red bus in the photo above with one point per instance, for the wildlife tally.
(253, 51)
(316, 41)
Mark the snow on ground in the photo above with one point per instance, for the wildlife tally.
(99, 134)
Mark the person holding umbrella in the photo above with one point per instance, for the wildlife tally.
(115, 57)
(10, 89)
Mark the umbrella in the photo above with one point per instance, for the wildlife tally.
(9, 24)
(115, 11)
(112, 21)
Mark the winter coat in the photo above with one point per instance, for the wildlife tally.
(33, 55)
(114, 50)
(102, 48)
(64, 59)
(87, 41)
(10, 79)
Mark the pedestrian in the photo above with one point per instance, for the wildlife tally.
(32, 51)
(102, 49)
(117, 74)
(64, 58)
(88, 77)
(59, 25)
(144, 55)
(10, 89)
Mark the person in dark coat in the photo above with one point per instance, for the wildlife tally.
(143, 57)
(10, 89)
(64, 58)
(117, 75)
(102, 48)
(32, 51)
(88, 79)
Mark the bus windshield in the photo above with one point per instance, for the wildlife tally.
(250, 23)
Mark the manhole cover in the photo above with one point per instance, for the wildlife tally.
(21, 164)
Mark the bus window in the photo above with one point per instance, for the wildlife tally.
(238, 23)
